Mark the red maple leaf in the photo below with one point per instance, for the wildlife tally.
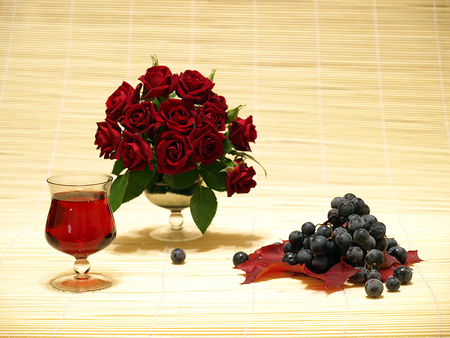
(269, 259)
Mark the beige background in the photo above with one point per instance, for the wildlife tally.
(347, 96)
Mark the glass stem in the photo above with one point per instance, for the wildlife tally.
(176, 220)
(81, 267)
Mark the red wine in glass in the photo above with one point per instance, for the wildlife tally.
(80, 223)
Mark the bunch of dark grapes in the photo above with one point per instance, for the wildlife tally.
(352, 232)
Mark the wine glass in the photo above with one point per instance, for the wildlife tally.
(79, 223)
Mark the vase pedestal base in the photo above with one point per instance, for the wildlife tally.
(167, 234)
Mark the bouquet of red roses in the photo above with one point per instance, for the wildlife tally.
(174, 128)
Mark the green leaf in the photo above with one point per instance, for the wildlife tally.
(214, 175)
(118, 167)
(232, 114)
(203, 207)
(137, 182)
(155, 61)
(227, 147)
(181, 181)
(118, 190)
(211, 76)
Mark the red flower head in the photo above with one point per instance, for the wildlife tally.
(240, 179)
(107, 138)
(217, 100)
(193, 86)
(179, 115)
(122, 98)
(242, 132)
(142, 117)
(158, 81)
(174, 151)
(135, 152)
(213, 115)
(208, 144)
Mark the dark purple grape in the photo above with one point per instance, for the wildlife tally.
(290, 258)
(392, 242)
(393, 284)
(346, 208)
(374, 288)
(382, 244)
(359, 204)
(239, 258)
(369, 221)
(349, 196)
(361, 236)
(287, 247)
(398, 252)
(296, 238)
(373, 274)
(305, 256)
(403, 273)
(335, 202)
(343, 239)
(355, 223)
(320, 263)
(378, 230)
(178, 255)
(319, 245)
(355, 254)
(360, 276)
(324, 230)
(371, 243)
(374, 258)
(334, 217)
(308, 228)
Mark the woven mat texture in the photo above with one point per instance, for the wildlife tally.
(347, 96)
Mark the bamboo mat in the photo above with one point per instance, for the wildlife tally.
(347, 96)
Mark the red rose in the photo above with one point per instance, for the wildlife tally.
(158, 81)
(213, 115)
(174, 152)
(107, 138)
(242, 132)
(218, 101)
(122, 98)
(135, 152)
(240, 179)
(142, 117)
(179, 115)
(194, 86)
(208, 144)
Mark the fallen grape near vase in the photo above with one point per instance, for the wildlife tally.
(351, 245)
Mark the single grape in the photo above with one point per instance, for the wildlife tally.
(307, 241)
(179, 255)
(359, 204)
(333, 249)
(382, 244)
(319, 245)
(296, 238)
(361, 236)
(355, 223)
(393, 284)
(374, 258)
(378, 230)
(392, 242)
(403, 273)
(339, 230)
(324, 230)
(355, 254)
(308, 228)
(349, 196)
(369, 221)
(290, 258)
(335, 202)
(343, 239)
(288, 247)
(239, 258)
(305, 256)
(374, 288)
(371, 243)
(398, 252)
(346, 208)
(360, 276)
(320, 263)
(365, 210)
(373, 274)
(334, 217)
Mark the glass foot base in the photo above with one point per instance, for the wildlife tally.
(182, 235)
(91, 282)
